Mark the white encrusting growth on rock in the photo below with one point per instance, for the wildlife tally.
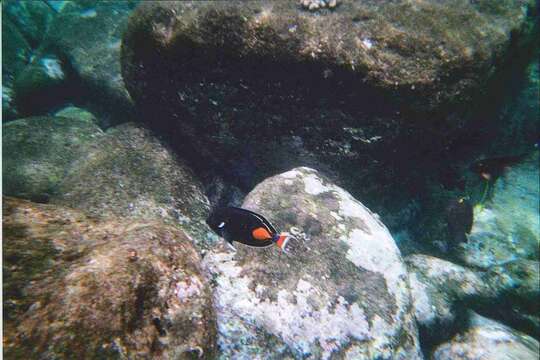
(309, 316)
(293, 316)
(53, 68)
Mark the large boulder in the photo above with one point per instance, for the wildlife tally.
(487, 339)
(74, 287)
(130, 173)
(344, 295)
(38, 151)
(372, 89)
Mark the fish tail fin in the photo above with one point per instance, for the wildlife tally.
(282, 240)
(287, 243)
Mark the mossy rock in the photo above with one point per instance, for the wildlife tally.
(75, 287)
(129, 172)
(38, 151)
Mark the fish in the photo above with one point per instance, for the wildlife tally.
(236, 224)
(459, 216)
(491, 168)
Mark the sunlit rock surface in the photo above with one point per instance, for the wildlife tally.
(37, 152)
(75, 287)
(487, 339)
(345, 294)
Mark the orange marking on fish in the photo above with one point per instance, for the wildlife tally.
(261, 234)
(280, 241)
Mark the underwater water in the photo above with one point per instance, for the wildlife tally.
(384, 153)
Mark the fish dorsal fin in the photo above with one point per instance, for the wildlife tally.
(267, 223)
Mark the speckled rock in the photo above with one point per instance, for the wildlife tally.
(437, 286)
(131, 173)
(507, 227)
(489, 340)
(76, 287)
(37, 152)
(345, 295)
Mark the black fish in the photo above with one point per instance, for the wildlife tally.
(459, 215)
(246, 227)
(492, 168)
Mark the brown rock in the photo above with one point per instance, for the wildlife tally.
(73, 289)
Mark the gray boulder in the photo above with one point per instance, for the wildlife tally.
(442, 291)
(38, 151)
(344, 295)
(436, 286)
(75, 287)
(489, 340)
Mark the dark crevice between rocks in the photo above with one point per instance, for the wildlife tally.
(429, 340)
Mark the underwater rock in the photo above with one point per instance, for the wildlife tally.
(506, 227)
(45, 83)
(32, 18)
(130, 173)
(345, 295)
(89, 34)
(75, 287)
(437, 286)
(488, 339)
(16, 53)
(512, 295)
(441, 292)
(370, 89)
(38, 151)
(76, 113)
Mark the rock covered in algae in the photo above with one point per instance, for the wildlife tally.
(388, 44)
(75, 287)
(345, 295)
(129, 172)
(488, 339)
(251, 89)
(38, 151)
